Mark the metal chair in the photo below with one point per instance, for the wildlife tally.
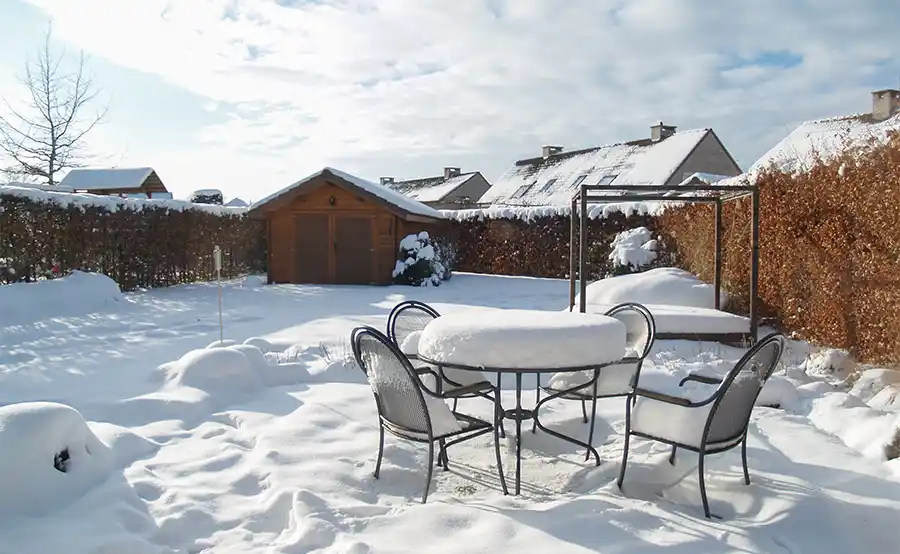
(408, 410)
(716, 424)
(409, 318)
(613, 380)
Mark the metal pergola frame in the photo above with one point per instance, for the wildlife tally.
(692, 194)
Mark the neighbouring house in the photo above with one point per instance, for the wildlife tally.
(825, 137)
(141, 182)
(666, 157)
(452, 190)
(236, 203)
(207, 196)
(334, 228)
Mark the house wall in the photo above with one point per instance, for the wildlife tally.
(474, 188)
(710, 156)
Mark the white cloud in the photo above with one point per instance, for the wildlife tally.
(403, 87)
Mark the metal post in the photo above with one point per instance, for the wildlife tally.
(718, 276)
(754, 266)
(217, 261)
(572, 255)
(582, 254)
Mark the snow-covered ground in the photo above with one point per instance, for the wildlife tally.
(234, 450)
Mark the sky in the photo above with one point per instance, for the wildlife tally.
(248, 96)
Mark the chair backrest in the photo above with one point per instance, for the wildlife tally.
(397, 389)
(736, 395)
(640, 327)
(407, 317)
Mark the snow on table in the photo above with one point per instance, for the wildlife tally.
(687, 319)
(522, 339)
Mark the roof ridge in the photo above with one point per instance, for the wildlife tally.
(563, 154)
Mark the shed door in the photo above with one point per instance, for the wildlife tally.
(313, 246)
(353, 255)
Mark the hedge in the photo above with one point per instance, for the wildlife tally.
(829, 249)
(138, 243)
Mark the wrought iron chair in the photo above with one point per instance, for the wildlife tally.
(613, 380)
(408, 410)
(405, 322)
(716, 424)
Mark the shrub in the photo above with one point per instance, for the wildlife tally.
(420, 263)
(633, 251)
(207, 196)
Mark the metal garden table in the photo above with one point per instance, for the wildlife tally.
(457, 341)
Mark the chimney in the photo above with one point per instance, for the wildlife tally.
(548, 151)
(661, 131)
(387, 180)
(885, 103)
(451, 172)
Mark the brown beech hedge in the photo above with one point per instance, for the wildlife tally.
(829, 249)
(138, 246)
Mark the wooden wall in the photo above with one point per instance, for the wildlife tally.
(341, 207)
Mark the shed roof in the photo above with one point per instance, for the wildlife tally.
(392, 199)
(431, 189)
(553, 180)
(107, 179)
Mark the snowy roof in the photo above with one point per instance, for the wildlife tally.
(38, 186)
(236, 203)
(392, 197)
(431, 189)
(824, 137)
(553, 180)
(705, 178)
(100, 179)
(82, 201)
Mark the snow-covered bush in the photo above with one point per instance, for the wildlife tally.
(632, 251)
(420, 263)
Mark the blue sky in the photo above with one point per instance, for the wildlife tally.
(249, 95)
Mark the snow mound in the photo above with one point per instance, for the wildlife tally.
(664, 285)
(77, 294)
(225, 369)
(224, 343)
(831, 364)
(48, 458)
(260, 343)
(634, 247)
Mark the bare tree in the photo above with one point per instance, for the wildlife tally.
(46, 134)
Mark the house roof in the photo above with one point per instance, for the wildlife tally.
(391, 198)
(236, 203)
(103, 179)
(553, 180)
(431, 189)
(823, 138)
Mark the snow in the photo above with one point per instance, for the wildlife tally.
(630, 163)
(381, 191)
(530, 213)
(430, 190)
(633, 246)
(286, 466)
(236, 203)
(109, 203)
(685, 319)
(100, 179)
(522, 339)
(78, 293)
(824, 138)
(31, 435)
(664, 285)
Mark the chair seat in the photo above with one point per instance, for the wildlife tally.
(463, 423)
(674, 423)
(614, 380)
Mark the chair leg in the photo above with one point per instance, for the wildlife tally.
(443, 455)
(380, 449)
(499, 408)
(430, 470)
(587, 453)
(672, 455)
(498, 427)
(703, 487)
(455, 402)
(537, 398)
(621, 478)
(584, 418)
(744, 460)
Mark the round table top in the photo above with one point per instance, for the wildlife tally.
(522, 340)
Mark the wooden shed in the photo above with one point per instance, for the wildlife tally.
(334, 228)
